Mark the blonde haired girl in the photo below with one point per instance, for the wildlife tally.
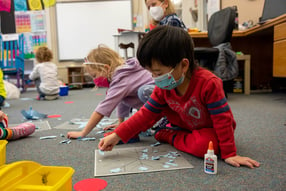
(103, 60)
(123, 78)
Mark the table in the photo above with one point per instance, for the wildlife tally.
(258, 42)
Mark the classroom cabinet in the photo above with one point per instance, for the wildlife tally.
(279, 47)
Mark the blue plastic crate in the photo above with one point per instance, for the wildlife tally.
(64, 90)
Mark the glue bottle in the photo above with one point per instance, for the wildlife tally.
(210, 162)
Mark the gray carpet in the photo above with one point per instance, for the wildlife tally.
(260, 134)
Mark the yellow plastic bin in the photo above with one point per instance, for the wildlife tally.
(31, 176)
(3, 144)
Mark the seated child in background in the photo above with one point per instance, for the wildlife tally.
(45, 75)
(12, 133)
(191, 97)
(3, 93)
(124, 78)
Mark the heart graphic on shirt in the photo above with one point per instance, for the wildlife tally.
(195, 112)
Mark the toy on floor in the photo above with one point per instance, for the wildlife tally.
(90, 184)
(33, 114)
(13, 133)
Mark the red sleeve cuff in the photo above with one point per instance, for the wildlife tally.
(228, 151)
(122, 135)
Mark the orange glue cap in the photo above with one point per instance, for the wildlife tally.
(211, 146)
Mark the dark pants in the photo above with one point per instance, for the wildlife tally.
(2, 99)
(37, 83)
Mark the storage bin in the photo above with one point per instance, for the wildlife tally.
(3, 144)
(64, 90)
(32, 176)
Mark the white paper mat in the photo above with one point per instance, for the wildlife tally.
(138, 160)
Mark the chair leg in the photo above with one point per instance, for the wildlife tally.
(125, 48)
(126, 55)
(18, 79)
(23, 81)
(23, 84)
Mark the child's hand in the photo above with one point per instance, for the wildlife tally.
(239, 160)
(107, 143)
(113, 126)
(75, 134)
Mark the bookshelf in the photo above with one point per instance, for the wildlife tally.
(75, 76)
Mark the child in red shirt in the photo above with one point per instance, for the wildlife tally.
(192, 99)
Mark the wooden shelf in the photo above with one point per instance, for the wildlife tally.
(75, 76)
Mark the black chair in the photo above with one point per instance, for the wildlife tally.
(220, 27)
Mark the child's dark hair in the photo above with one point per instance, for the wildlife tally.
(44, 54)
(168, 45)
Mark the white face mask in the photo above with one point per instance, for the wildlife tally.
(157, 12)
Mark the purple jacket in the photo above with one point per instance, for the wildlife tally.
(125, 82)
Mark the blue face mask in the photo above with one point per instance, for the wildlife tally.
(167, 81)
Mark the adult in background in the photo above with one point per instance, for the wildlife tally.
(163, 13)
